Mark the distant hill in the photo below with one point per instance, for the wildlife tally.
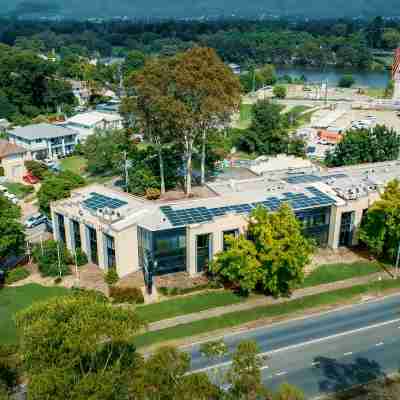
(197, 8)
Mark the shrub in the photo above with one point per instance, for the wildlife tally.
(36, 168)
(111, 277)
(346, 81)
(280, 91)
(16, 274)
(153, 194)
(1, 171)
(95, 294)
(131, 295)
(176, 291)
(58, 280)
(46, 256)
(81, 257)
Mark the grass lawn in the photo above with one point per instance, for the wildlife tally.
(377, 93)
(18, 189)
(339, 272)
(289, 309)
(245, 116)
(14, 299)
(76, 164)
(186, 305)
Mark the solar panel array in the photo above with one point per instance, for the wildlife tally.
(296, 179)
(97, 201)
(197, 215)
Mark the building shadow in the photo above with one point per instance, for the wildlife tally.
(337, 376)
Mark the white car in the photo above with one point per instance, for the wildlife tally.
(371, 117)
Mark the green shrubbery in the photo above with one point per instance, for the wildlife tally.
(176, 291)
(81, 257)
(126, 295)
(111, 277)
(16, 274)
(47, 257)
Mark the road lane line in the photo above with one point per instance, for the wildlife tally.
(264, 367)
(281, 373)
(349, 353)
(304, 344)
(242, 330)
(379, 344)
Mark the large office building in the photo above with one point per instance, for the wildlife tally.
(119, 230)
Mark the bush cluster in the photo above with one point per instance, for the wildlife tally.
(131, 295)
(46, 257)
(111, 277)
(176, 291)
(16, 274)
(153, 194)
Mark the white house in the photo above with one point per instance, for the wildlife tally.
(45, 140)
(86, 123)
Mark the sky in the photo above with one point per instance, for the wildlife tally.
(197, 8)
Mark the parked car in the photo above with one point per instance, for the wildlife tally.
(35, 220)
(30, 179)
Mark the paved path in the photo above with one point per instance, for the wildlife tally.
(263, 301)
(323, 353)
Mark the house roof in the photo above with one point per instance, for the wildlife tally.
(42, 131)
(7, 149)
(91, 118)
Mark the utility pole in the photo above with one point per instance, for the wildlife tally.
(126, 171)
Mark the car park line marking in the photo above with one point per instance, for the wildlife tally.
(379, 344)
(349, 353)
(281, 373)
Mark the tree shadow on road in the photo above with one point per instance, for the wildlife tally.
(338, 376)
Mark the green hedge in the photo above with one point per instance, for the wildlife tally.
(16, 274)
(131, 295)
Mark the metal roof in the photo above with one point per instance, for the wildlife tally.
(42, 131)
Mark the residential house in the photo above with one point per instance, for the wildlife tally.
(86, 123)
(45, 141)
(12, 159)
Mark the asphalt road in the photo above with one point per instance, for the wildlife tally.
(322, 353)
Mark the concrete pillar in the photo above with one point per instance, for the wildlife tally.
(101, 249)
(68, 234)
(334, 228)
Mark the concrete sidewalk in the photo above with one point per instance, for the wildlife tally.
(264, 301)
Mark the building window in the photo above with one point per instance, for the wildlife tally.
(346, 229)
(203, 251)
(166, 248)
(227, 234)
(110, 251)
(315, 224)
(61, 227)
(76, 234)
(93, 245)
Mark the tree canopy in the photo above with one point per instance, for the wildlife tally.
(56, 187)
(12, 237)
(380, 229)
(365, 146)
(272, 258)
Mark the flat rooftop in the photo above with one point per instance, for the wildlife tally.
(302, 189)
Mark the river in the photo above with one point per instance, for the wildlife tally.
(376, 79)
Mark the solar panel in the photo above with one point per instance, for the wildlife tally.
(297, 201)
(97, 201)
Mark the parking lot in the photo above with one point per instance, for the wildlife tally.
(388, 118)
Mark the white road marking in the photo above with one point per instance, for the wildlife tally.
(264, 367)
(281, 373)
(311, 316)
(349, 353)
(304, 344)
(315, 364)
(379, 344)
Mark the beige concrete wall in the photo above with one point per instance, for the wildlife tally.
(356, 206)
(126, 251)
(14, 168)
(216, 229)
